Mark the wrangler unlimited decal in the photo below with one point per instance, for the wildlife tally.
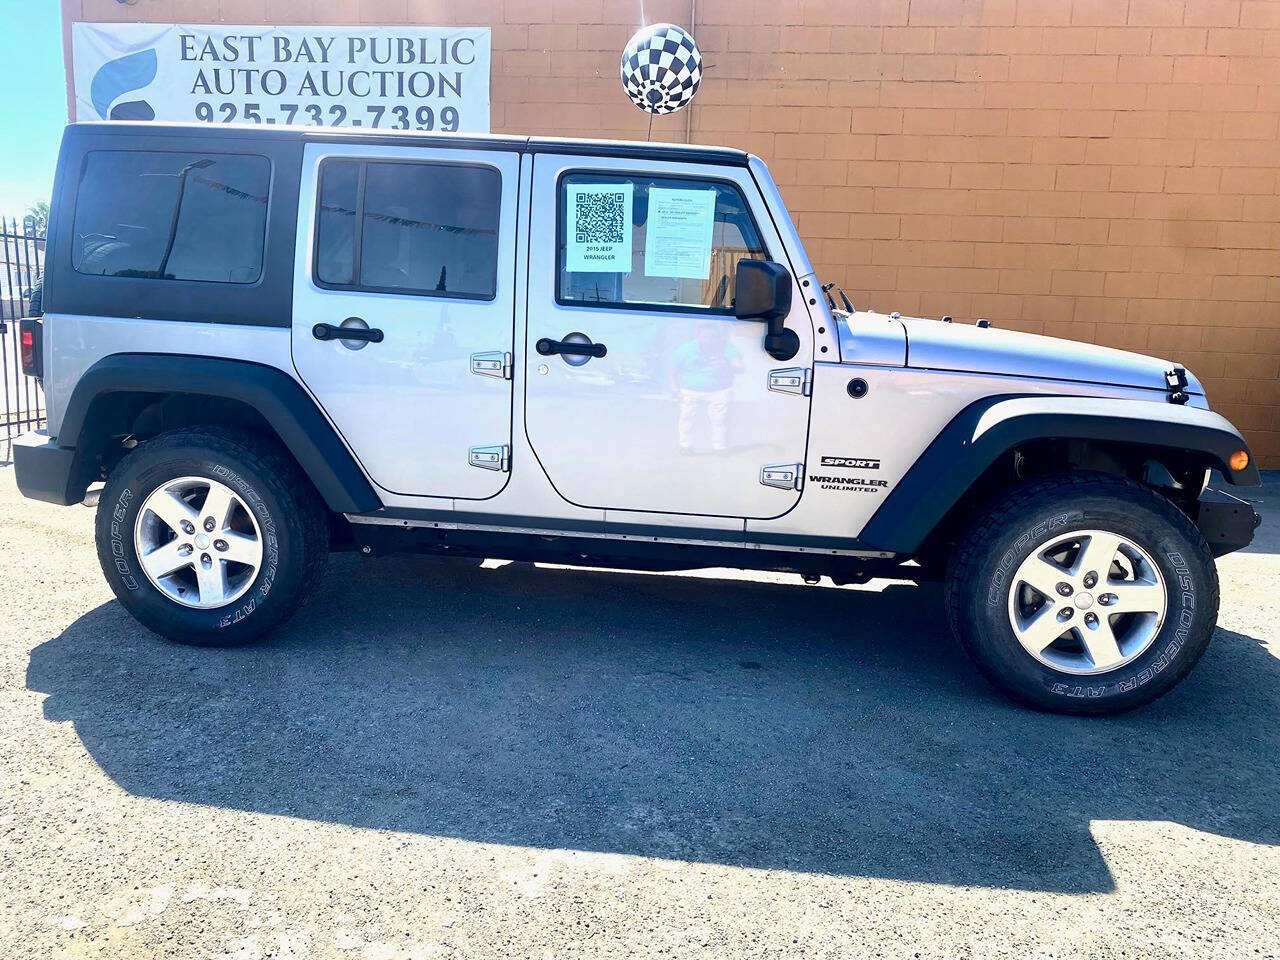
(849, 484)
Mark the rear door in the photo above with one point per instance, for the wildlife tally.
(412, 249)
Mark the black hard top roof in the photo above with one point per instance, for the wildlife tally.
(630, 149)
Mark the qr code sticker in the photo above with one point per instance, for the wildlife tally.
(601, 217)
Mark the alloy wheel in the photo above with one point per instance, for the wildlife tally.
(198, 542)
(1088, 602)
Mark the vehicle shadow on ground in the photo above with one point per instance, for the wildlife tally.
(730, 722)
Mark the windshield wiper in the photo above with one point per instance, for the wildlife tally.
(828, 287)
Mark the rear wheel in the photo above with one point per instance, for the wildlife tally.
(210, 537)
(1083, 593)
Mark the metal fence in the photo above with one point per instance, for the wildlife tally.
(20, 273)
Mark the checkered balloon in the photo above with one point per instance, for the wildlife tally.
(661, 68)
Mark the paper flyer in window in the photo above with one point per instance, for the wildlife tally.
(679, 233)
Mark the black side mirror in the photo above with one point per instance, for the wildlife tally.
(762, 291)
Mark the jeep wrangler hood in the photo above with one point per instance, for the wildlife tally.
(934, 345)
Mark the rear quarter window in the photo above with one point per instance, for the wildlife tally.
(163, 215)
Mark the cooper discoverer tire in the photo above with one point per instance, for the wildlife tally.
(1053, 626)
(265, 550)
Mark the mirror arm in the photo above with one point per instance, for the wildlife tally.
(779, 342)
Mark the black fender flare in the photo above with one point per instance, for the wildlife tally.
(281, 401)
(988, 428)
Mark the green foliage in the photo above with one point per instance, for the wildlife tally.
(36, 218)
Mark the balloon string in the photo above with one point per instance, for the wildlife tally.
(649, 135)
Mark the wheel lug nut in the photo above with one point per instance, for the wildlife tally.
(1107, 599)
(185, 550)
(208, 524)
(219, 544)
(1091, 619)
(1064, 589)
(206, 561)
(1065, 613)
(187, 527)
(1090, 579)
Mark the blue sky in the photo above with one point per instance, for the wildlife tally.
(33, 101)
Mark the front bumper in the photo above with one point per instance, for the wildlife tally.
(46, 471)
(1227, 522)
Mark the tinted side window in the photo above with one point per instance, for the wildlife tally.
(336, 222)
(421, 228)
(171, 216)
(652, 241)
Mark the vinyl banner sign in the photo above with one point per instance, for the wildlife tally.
(399, 78)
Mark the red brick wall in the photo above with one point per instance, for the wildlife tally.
(1105, 170)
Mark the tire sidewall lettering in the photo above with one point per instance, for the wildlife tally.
(119, 524)
(270, 545)
(997, 593)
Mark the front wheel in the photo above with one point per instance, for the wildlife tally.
(210, 537)
(1083, 593)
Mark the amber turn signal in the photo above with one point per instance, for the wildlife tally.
(1238, 460)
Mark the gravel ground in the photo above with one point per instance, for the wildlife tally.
(437, 760)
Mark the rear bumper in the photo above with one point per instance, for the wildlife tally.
(1227, 522)
(44, 470)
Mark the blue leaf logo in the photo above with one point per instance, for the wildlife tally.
(132, 110)
(131, 72)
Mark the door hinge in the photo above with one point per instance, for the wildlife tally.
(494, 457)
(493, 363)
(797, 380)
(784, 476)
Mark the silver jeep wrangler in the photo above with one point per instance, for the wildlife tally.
(272, 343)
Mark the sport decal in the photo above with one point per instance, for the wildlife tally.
(853, 463)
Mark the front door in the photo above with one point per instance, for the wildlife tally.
(643, 392)
(412, 250)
